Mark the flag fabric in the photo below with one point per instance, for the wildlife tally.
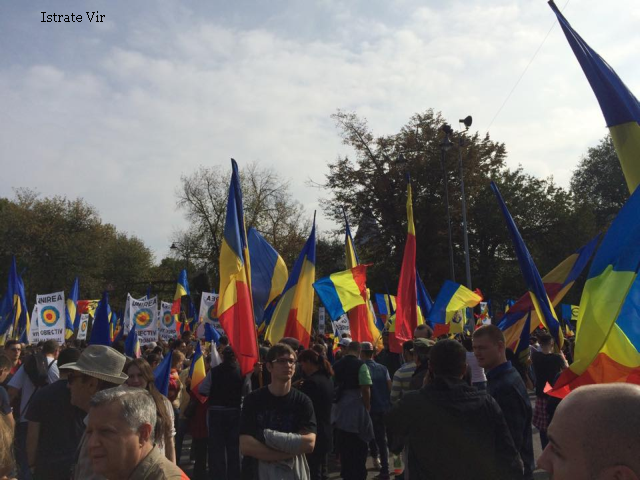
(182, 289)
(101, 330)
(293, 314)
(407, 299)
(235, 306)
(71, 312)
(162, 374)
(538, 295)
(362, 318)
(607, 347)
(13, 310)
(211, 334)
(619, 106)
(268, 273)
(556, 284)
(451, 298)
(132, 344)
(342, 291)
(425, 304)
(197, 373)
(386, 307)
(522, 350)
(119, 328)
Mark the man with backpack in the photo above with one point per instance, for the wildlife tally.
(37, 371)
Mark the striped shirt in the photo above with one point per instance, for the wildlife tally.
(401, 381)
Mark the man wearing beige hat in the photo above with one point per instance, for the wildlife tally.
(98, 368)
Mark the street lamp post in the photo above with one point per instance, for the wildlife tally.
(467, 124)
(444, 146)
(177, 246)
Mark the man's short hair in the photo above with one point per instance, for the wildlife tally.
(448, 358)
(68, 355)
(407, 346)
(423, 331)
(545, 339)
(354, 347)
(50, 347)
(9, 343)
(278, 350)
(138, 407)
(490, 331)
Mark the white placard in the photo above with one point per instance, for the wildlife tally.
(51, 317)
(166, 323)
(208, 310)
(144, 313)
(341, 326)
(83, 326)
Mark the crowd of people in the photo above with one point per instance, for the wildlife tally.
(446, 408)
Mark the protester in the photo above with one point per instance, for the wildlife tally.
(594, 434)
(350, 413)
(7, 463)
(423, 331)
(421, 349)
(13, 349)
(223, 385)
(55, 426)
(386, 357)
(317, 385)
(402, 378)
(475, 372)
(98, 368)
(449, 416)
(547, 365)
(196, 414)
(120, 436)
(380, 405)
(6, 411)
(141, 376)
(278, 425)
(505, 384)
(38, 370)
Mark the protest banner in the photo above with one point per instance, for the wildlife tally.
(51, 317)
(321, 320)
(144, 312)
(341, 325)
(167, 324)
(83, 327)
(208, 310)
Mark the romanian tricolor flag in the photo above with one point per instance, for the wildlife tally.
(268, 273)
(342, 291)
(293, 313)
(407, 299)
(182, 289)
(619, 106)
(451, 298)
(132, 344)
(556, 283)
(72, 307)
(13, 309)
(386, 305)
(536, 289)
(607, 345)
(101, 329)
(425, 304)
(362, 319)
(235, 307)
(197, 373)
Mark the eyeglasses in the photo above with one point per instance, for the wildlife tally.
(283, 361)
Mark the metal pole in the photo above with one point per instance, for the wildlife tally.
(464, 218)
(446, 199)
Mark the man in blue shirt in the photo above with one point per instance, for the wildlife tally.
(505, 384)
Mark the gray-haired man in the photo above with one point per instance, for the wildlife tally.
(120, 437)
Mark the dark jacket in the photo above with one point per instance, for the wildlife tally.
(454, 431)
(319, 388)
(226, 385)
(505, 384)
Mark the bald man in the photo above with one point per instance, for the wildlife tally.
(595, 434)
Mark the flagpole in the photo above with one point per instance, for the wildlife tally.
(444, 146)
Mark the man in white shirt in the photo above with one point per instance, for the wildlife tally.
(22, 384)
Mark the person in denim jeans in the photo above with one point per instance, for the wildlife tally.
(223, 386)
(380, 405)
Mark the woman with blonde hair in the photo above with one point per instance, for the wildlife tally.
(141, 376)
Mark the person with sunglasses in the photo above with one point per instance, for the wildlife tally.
(278, 424)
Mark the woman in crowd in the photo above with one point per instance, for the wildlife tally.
(317, 385)
(141, 376)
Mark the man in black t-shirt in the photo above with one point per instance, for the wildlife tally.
(278, 425)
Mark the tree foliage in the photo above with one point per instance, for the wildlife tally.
(370, 184)
(56, 239)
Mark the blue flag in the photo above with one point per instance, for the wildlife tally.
(131, 344)
(162, 374)
(101, 330)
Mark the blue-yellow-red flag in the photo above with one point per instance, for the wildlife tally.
(342, 291)
(362, 319)
(407, 299)
(72, 307)
(197, 373)
(539, 297)
(556, 283)
(451, 298)
(235, 306)
(13, 310)
(132, 343)
(182, 289)
(268, 273)
(293, 314)
(101, 329)
(425, 304)
(607, 347)
(619, 106)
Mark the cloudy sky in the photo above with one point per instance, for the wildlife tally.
(115, 112)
